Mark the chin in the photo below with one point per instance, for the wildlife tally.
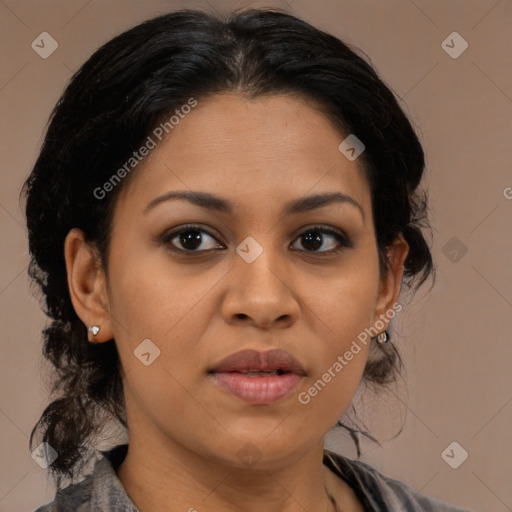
(261, 452)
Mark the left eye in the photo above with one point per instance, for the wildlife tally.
(315, 238)
(191, 239)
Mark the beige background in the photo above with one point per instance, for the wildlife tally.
(455, 341)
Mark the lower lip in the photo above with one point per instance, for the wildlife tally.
(258, 390)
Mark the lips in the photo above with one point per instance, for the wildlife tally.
(258, 377)
(275, 360)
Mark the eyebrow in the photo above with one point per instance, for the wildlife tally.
(209, 201)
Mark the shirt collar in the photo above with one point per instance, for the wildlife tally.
(108, 493)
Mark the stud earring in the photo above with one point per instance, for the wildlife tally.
(94, 329)
(383, 338)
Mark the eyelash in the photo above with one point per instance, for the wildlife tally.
(343, 241)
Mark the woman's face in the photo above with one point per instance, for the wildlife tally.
(255, 277)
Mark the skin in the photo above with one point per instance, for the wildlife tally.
(185, 431)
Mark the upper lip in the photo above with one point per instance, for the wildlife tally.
(252, 360)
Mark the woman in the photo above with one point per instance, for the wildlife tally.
(221, 218)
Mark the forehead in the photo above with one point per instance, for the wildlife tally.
(282, 145)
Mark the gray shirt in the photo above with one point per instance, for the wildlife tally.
(102, 491)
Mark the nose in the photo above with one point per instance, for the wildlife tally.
(260, 294)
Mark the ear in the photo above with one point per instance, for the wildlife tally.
(87, 285)
(389, 288)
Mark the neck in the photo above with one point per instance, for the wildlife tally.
(168, 477)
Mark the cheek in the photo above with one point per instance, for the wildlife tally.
(342, 309)
(152, 298)
(329, 390)
(343, 305)
(172, 321)
(342, 354)
(154, 302)
(328, 394)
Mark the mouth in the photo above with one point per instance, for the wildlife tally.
(258, 377)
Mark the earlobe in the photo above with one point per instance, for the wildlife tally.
(389, 290)
(86, 282)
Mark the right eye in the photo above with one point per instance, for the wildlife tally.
(187, 239)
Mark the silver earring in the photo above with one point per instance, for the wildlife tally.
(94, 329)
(383, 338)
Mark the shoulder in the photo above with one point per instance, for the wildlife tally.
(381, 492)
(73, 497)
(99, 490)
